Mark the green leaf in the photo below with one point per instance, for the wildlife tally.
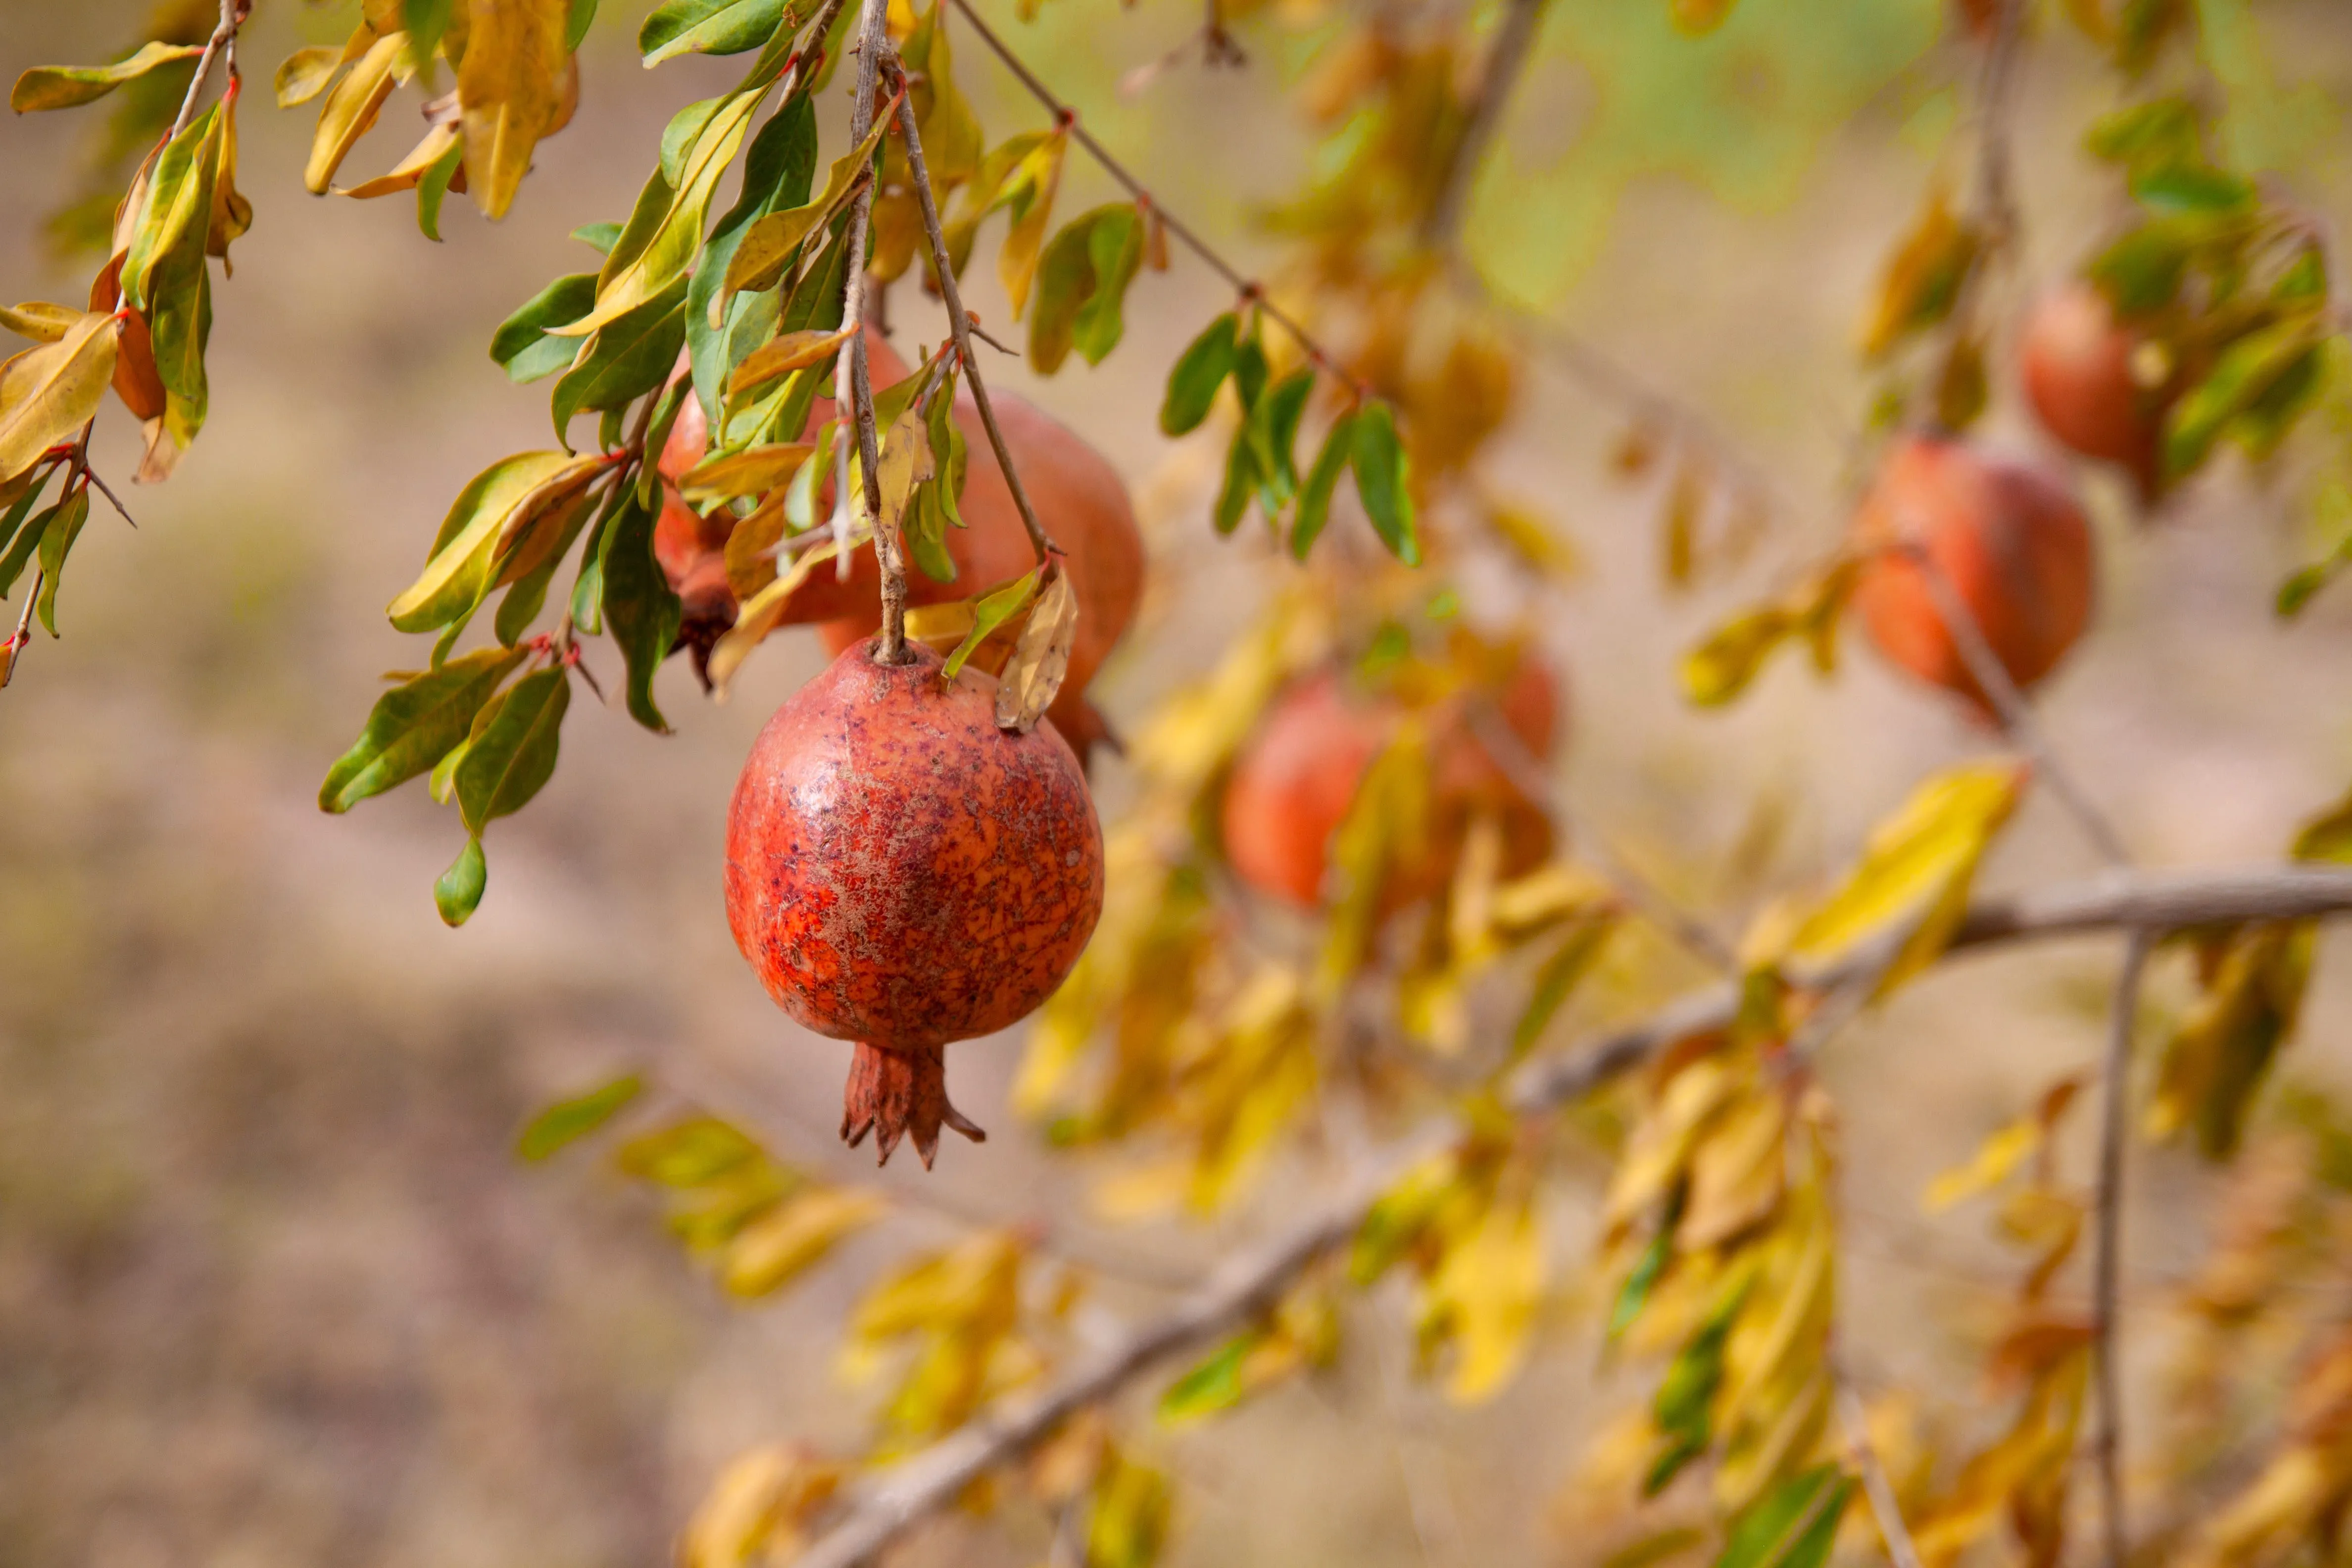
(65, 86)
(1216, 1384)
(1081, 286)
(2142, 271)
(1381, 481)
(769, 246)
(1794, 1525)
(56, 539)
(599, 237)
(415, 725)
(575, 28)
(20, 552)
(489, 528)
(521, 344)
(1642, 1278)
(1273, 427)
(2161, 132)
(690, 1153)
(626, 359)
(1249, 371)
(1322, 480)
(2334, 508)
(1202, 369)
(433, 189)
(424, 21)
(1241, 481)
(2246, 370)
(2191, 189)
(14, 520)
(777, 170)
(513, 755)
(1684, 1408)
(710, 28)
(458, 893)
(176, 218)
(641, 609)
(990, 612)
(567, 1122)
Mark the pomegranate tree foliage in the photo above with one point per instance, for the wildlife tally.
(1198, 1040)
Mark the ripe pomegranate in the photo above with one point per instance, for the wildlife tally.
(903, 874)
(2013, 543)
(1296, 779)
(2076, 360)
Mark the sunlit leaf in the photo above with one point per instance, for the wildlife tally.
(65, 87)
(511, 89)
(710, 28)
(490, 517)
(351, 110)
(50, 391)
(304, 74)
(989, 612)
(513, 754)
(414, 726)
(770, 243)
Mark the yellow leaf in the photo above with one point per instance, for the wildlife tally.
(769, 246)
(1737, 1174)
(754, 471)
(510, 91)
(755, 1509)
(483, 528)
(304, 74)
(410, 172)
(65, 87)
(769, 1251)
(1033, 678)
(760, 613)
(50, 392)
(1915, 871)
(1485, 1295)
(352, 109)
(782, 356)
(1032, 209)
(39, 321)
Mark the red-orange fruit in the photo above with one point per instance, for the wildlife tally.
(903, 874)
(2076, 362)
(2011, 543)
(1293, 782)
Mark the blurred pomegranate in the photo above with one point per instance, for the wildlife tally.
(2011, 543)
(2077, 363)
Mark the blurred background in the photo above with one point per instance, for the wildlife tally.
(273, 1288)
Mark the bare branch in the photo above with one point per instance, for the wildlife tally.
(960, 321)
(232, 17)
(2107, 1268)
(1514, 43)
(2009, 705)
(873, 40)
(2146, 903)
(1248, 288)
(1884, 1506)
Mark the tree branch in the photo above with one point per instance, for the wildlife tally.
(2107, 1268)
(1248, 287)
(2146, 903)
(233, 14)
(960, 320)
(873, 39)
(1514, 43)
(1883, 1505)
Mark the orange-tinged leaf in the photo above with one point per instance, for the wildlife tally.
(410, 172)
(791, 352)
(50, 392)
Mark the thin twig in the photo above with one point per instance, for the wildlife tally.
(2151, 902)
(23, 639)
(1884, 1506)
(2009, 706)
(2106, 1267)
(1513, 43)
(873, 39)
(232, 17)
(960, 321)
(1527, 776)
(1248, 288)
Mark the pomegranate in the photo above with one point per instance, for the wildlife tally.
(902, 874)
(1294, 781)
(2011, 543)
(2076, 360)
